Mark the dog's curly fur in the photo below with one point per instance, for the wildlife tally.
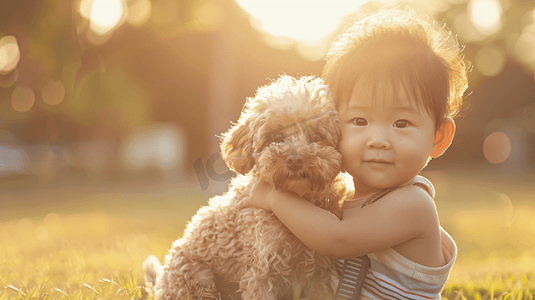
(287, 134)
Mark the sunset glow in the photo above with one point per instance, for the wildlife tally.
(307, 22)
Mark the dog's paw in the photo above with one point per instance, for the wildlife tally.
(152, 268)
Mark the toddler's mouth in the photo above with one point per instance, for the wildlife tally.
(378, 161)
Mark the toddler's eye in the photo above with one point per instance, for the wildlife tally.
(360, 122)
(401, 123)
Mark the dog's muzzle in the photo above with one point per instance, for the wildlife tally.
(295, 162)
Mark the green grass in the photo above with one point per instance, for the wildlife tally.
(92, 247)
(87, 256)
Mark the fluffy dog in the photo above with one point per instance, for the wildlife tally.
(287, 135)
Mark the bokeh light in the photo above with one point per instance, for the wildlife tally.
(25, 227)
(106, 15)
(85, 8)
(159, 146)
(525, 45)
(41, 233)
(22, 98)
(497, 147)
(139, 12)
(465, 29)
(53, 92)
(209, 14)
(307, 22)
(490, 60)
(486, 15)
(52, 222)
(9, 54)
(9, 79)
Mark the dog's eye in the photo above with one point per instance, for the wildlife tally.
(279, 138)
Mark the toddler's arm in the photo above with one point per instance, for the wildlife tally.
(403, 214)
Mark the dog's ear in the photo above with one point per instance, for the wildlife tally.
(237, 147)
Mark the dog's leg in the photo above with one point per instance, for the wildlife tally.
(318, 291)
(151, 269)
(318, 282)
(186, 279)
(254, 287)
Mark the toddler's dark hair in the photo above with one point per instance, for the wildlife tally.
(395, 48)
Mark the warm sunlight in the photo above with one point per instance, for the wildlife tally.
(486, 15)
(104, 15)
(307, 22)
(9, 54)
(134, 134)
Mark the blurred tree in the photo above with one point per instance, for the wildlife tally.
(194, 62)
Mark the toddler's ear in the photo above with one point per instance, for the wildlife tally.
(444, 137)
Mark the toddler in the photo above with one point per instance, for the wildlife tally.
(398, 83)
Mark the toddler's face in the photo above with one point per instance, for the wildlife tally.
(385, 142)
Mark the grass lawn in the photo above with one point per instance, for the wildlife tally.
(89, 243)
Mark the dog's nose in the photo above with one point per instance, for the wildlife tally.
(295, 162)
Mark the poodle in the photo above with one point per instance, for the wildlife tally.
(287, 135)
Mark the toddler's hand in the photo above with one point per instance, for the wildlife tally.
(257, 196)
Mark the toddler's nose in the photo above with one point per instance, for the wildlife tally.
(295, 162)
(378, 144)
(378, 139)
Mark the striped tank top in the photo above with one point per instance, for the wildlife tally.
(390, 275)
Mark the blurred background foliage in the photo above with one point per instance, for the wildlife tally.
(104, 90)
(115, 106)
